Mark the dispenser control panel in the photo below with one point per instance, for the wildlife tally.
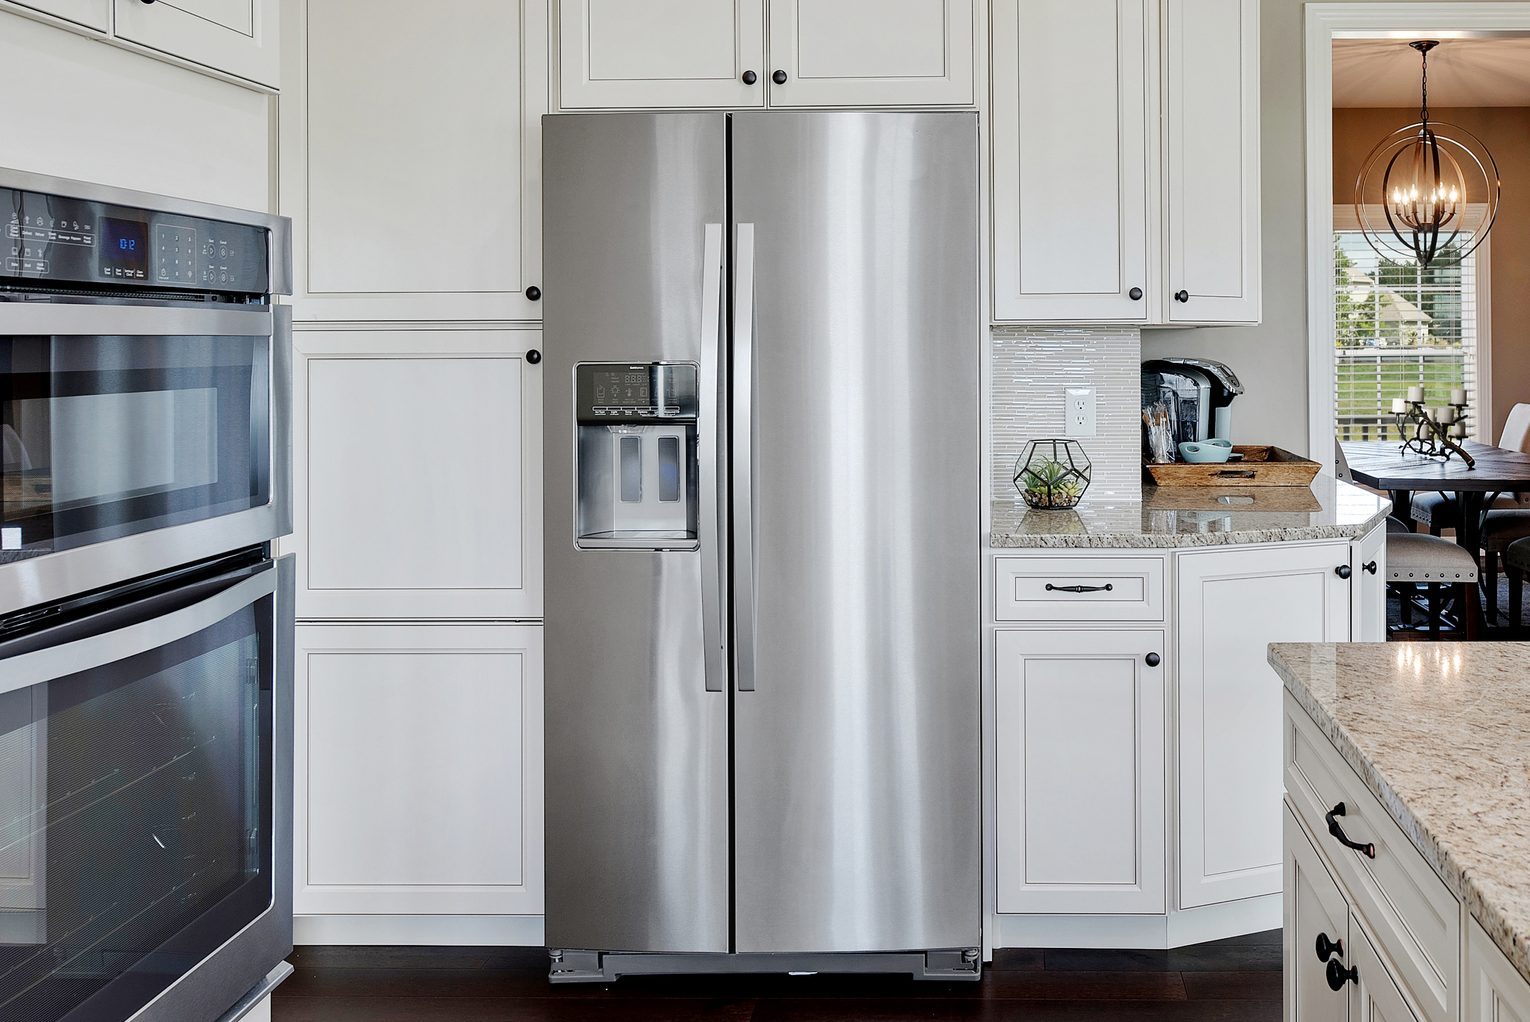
(635, 392)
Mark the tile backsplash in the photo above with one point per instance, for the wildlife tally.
(1031, 368)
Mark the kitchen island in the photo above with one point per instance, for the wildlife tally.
(1426, 867)
(1134, 784)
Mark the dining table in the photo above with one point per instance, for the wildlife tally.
(1383, 465)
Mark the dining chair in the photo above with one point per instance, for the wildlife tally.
(1438, 511)
(1436, 564)
(1516, 564)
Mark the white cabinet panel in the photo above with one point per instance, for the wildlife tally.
(1495, 991)
(419, 769)
(1314, 908)
(1071, 187)
(1211, 122)
(189, 134)
(24, 846)
(872, 52)
(417, 474)
(1369, 600)
(1230, 705)
(95, 14)
(240, 37)
(411, 163)
(1081, 769)
(661, 53)
(1373, 994)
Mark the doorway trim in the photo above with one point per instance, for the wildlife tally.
(1413, 19)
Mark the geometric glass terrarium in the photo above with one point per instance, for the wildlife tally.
(1052, 475)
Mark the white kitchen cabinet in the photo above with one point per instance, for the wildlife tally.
(417, 474)
(1369, 601)
(661, 53)
(411, 159)
(1495, 991)
(1316, 914)
(1072, 188)
(418, 770)
(96, 14)
(1081, 766)
(1211, 152)
(240, 37)
(1373, 993)
(872, 52)
(1231, 604)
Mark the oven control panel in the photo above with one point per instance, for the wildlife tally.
(58, 240)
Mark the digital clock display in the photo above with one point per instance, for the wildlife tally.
(626, 388)
(124, 249)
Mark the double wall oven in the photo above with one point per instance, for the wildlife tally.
(145, 626)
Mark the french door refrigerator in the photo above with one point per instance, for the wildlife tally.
(762, 559)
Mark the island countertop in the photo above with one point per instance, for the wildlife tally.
(1188, 516)
(1440, 733)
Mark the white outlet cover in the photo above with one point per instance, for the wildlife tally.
(1078, 412)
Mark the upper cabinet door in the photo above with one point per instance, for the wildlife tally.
(661, 53)
(95, 14)
(236, 36)
(1071, 148)
(1211, 116)
(411, 160)
(871, 52)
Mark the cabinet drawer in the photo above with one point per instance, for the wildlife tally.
(1074, 588)
(1414, 916)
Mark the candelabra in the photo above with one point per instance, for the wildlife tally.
(1434, 433)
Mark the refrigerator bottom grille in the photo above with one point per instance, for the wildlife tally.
(607, 967)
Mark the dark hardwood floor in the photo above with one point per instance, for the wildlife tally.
(1235, 980)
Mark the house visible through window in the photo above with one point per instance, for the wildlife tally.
(1397, 325)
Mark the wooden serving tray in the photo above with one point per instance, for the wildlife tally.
(1261, 466)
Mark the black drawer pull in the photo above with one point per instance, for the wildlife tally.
(1327, 949)
(1338, 975)
(1106, 588)
(1368, 850)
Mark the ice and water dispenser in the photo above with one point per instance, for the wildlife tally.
(636, 456)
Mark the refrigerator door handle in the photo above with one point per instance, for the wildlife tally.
(743, 455)
(713, 458)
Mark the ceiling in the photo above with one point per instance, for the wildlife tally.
(1462, 72)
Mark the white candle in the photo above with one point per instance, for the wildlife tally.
(1415, 394)
(1458, 396)
(1399, 406)
(1445, 415)
(1459, 429)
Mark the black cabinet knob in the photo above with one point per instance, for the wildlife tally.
(533, 356)
(779, 77)
(1135, 294)
(1326, 948)
(1182, 296)
(1343, 571)
(750, 77)
(533, 293)
(1370, 569)
(1153, 659)
(1338, 975)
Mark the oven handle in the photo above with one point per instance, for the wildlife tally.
(281, 417)
(64, 319)
(132, 630)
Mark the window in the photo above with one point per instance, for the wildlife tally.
(1397, 325)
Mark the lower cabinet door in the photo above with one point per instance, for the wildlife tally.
(1373, 994)
(1232, 604)
(1368, 601)
(1316, 932)
(418, 774)
(1081, 771)
(1495, 991)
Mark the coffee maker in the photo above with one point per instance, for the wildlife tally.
(1196, 392)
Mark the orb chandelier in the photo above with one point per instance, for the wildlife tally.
(1430, 180)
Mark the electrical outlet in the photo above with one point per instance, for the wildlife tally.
(1078, 404)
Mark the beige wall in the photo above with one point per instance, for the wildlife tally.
(1505, 131)
(1271, 358)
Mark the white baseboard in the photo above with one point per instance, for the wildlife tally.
(418, 931)
(1147, 933)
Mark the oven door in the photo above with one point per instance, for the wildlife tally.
(135, 438)
(145, 804)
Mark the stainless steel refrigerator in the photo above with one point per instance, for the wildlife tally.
(762, 557)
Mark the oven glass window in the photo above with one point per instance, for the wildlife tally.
(103, 437)
(135, 808)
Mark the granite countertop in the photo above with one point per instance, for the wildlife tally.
(1190, 516)
(1440, 733)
